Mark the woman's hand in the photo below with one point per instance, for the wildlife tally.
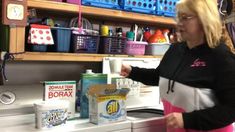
(126, 70)
(174, 120)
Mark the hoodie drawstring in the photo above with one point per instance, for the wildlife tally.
(171, 84)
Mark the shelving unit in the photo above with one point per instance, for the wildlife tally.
(102, 12)
(49, 56)
(17, 34)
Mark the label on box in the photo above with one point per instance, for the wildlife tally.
(107, 109)
(107, 104)
(64, 90)
(51, 118)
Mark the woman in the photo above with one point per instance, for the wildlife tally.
(196, 76)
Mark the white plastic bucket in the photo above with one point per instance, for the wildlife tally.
(51, 113)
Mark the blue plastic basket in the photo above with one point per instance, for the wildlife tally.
(166, 7)
(62, 37)
(113, 4)
(112, 45)
(140, 6)
(83, 43)
(38, 47)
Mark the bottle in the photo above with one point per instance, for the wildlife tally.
(104, 30)
(119, 39)
(119, 32)
(147, 34)
(110, 32)
(130, 36)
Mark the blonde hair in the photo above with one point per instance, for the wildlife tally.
(207, 12)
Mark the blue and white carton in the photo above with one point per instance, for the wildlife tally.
(87, 80)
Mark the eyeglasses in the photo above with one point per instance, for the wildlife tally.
(184, 18)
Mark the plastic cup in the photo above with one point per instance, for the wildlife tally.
(115, 65)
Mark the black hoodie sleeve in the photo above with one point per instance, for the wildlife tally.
(146, 76)
(223, 113)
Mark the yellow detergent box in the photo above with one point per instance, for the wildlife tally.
(107, 104)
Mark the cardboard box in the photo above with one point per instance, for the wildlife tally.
(107, 104)
(62, 90)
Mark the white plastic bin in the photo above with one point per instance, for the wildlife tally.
(51, 113)
(156, 49)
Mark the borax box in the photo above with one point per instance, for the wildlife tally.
(63, 90)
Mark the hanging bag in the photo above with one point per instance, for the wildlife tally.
(40, 34)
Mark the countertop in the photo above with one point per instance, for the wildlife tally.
(26, 123)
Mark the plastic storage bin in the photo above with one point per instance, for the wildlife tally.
(135, 48)
(82, 43)
(113, 4)
(49, 114)
(72, 1)
(156, 49)
(166, 7)
(58, 0)
(62, 37)
(112, 45)
(4, 41)
(38, 48)
(142, 6)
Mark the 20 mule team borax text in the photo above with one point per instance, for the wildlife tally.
(60, 91)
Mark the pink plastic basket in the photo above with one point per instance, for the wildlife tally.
(135, 48)
(73, 1)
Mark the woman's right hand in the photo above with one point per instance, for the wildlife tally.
(126, 70)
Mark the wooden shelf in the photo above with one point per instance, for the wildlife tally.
(49, 56)
(17, 34)
(101, 12)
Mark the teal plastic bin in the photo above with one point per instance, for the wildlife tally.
(62, 37)
(4, 41)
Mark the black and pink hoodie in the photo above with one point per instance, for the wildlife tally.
(198, 82)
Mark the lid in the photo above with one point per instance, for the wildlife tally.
(130, 34)
(52, 104)
(147, 118)
(160, 44)
(158, 122)
(137, 42)
(107, 90)
(58, 82)
(94, 75)
(60, 28)
(89, 71)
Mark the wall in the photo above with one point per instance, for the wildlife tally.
(23, 73)
(25, 77)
